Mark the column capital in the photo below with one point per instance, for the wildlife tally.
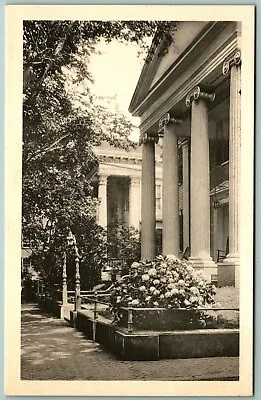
(199, 93)
(145, 137)
(103, 179)
(167, 119)
(134, 181)
(234, 59)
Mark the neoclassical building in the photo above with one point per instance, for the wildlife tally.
(190, 100)
(118, 188)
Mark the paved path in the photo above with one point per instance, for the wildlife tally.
(52, 350)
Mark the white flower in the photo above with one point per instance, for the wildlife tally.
(135, 302)
(167, 294)
(145, 277)
(181, 282)
(148, 298)
(156, 282)
(194, 290)
(162, 296)
(174, 291)
(142, 288)
(152, 289)
(156, 292)
(171, 258)
(152, 272)
(186, 302)
(171, 285)
(156, 303)
(193, 299)
(135, 265)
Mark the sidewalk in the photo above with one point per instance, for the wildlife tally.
(52, 350)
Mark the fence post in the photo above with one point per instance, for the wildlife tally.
(77, 304)
(130, 320)
(65, 297)
(95, 317)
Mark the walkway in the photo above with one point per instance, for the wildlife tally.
(52, 350)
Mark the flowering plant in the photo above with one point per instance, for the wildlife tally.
(165, 282)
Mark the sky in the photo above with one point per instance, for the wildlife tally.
(116, 72)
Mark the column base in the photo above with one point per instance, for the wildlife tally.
(228, 271)
(207, 266)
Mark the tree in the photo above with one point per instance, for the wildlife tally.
(58, 136)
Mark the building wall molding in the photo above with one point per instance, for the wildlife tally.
(176, 93)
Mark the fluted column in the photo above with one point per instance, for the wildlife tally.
(200, 185)
(170, 216)
(185, 189)
(148, 217)
(102, 209)
(233, 65)
(134, 202)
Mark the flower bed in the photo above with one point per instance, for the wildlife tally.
(168, 283)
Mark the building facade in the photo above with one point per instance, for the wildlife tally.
(190, 99)
(118, 188)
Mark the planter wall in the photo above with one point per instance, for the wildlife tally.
(159, 320)
(161, 345)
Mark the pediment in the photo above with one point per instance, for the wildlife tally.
(154, 71)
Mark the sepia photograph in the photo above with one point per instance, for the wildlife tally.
(129, 200)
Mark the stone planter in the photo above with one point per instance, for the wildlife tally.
(160, 319)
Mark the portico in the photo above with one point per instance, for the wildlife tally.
(191, 98)
(118, 187)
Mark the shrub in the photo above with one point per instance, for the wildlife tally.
(164, 282)
(123, 244)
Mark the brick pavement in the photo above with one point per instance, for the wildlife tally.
(52, 350)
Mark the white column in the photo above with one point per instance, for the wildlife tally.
(170, 216)
(148, 217)
(233, 258)
(134, 202)
(200, 185)
(102, 193)
(185, 188)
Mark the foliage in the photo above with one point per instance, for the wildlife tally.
(48, 254)
(164, 282)
(62, 119)
(124, 244)
(49, 45)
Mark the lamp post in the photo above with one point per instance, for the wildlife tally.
(71, 240)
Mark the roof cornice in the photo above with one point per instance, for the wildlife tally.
(137, 106)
